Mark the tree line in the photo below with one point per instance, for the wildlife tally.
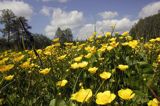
(15, 37)
(147, 28)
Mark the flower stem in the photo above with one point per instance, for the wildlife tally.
(99, 87)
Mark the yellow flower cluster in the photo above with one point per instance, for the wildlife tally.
(5, 68)
(79, 65)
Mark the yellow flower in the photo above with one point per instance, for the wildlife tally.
(19, 58)
(105, 75)
(5, 68)
(99, 36)
(62, 57)
(125, 33)
(123, 67)
(112, 39)
(57, 44)
(125, 44)
(88, 55)
(109, 48)
(62, 83)
(56, 40)
(128, 37)
(45, 71)
(106, 97)
(133, 44)
(108, 34)
(74, 66)
(93, 70)
(9, 77)
(152, 40)
(4, 60)
(153, 102)
(83, 64)
(68, 44)
(158, 39)
(114, 44)
(126, 94)
(83, 95)
(101, 50)
(77, 59)
(26, 64)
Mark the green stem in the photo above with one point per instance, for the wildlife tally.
(99, 87)
(76, 81)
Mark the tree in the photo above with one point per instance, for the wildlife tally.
(13, 29)
(68, 34)
(7, 18)
(147, 28)
(64, 35)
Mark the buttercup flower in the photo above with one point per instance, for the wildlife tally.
(62, 57)
(77, 59)
(123, 67)
(126, 94)
(88, 55)
(106, 97)
(5, 68)
(105, 75)
(83, 64)
(74, 66)
(93, 70)
(125, 33)
(133, 44)
(45, 71)
(83, 95)
(9, 77)
(153, 102)
(62, 83)
(108, 34)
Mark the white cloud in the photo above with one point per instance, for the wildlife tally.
(60, 1)
(108, 14)
(122, 25)
(20, 8)
(150, 9)
(63, 19)
(46, 10)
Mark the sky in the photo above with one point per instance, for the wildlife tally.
(45, 16)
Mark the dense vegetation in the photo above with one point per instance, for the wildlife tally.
(114, 71)
(147, 28)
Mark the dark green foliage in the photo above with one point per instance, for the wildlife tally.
(147, 28)
(14, 36)
(64, 35)
(41, 41)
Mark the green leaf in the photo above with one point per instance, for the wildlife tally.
(57, 102)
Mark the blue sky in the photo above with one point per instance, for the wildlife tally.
(81, 15)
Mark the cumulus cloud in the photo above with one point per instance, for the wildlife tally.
(46, 10)
(63, 19)
(60, 1)
(122, 25)
(108, 14)
(150, 9)
(20, 8)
